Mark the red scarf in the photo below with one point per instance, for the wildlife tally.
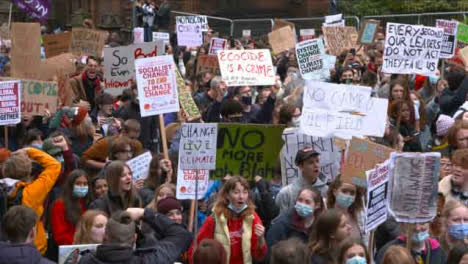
(97, 83)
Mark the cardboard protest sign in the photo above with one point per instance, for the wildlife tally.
(185, 98)
(37, 96)
(157, 87)
(450, 37)
(368, 31)
(139, 166)
(282, 39)
(246, 67)
(187, 183)
(362, 155)
(53, 67)
(189, 32)
(247, 150)
(339, 38)
(119, 64)
(281, 23)
(207, 63)
(25, 51)
(412, 49)
(377, 193)
(330, 155)
(38, 9)
(414, 181)
(305, 34)
(462, 33)
(10, 102)
(71, 254)
(138, 35)
(197, 149)
(217, 44)
(56, 44)
(89, 42)
(311, 59)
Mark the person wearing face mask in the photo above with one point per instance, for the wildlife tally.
(347, 76)
(353, 252)
(67, 210)
(423, 248)
(455, 225)
(298, 222)
(91, 228)
(235, 224)
(289, 115)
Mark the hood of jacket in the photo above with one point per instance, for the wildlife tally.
(109, 254)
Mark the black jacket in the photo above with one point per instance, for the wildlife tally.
(175, 239)
(20, 254)
(110, 203)
(265, 204)
(450, 100)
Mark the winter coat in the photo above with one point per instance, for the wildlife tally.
(146, 194)
(62, 230)
(110, 203)
(264, 203)
(20, 254)
(450, 100)
(100, 150)
(286, 226)
(174, 239)
(437, 255)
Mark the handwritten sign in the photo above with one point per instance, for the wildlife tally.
(138, 35)
(217, 44)
(368, 31)
(330, 155)
(246, 150)
(312, 61)
(363, 155)
(71, 254)
(207, 63)
(89, 42)
(25, 50)
(187, 183)
(246, 67)
(185, 98)
(462, 33)
(56, 44)
(450, 37)
(412, 49)
(119, 64)
(282, 39)
(197, 149)
(377, 193)
(10, 102)
(189, 32)
(140, 165)
(339, 39)
(305, 34)
(157, 87)
(201, 20)
(414, 184)
(37, 96)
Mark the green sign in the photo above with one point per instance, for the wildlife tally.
(185, 98)
(462, 33)
(247, 150)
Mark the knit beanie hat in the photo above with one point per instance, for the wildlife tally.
(79, 116)
(49, 147)
(120, 229)
(18, 166)
(443, 124)
(168, 204)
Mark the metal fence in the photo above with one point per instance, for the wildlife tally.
(316, 22)
(427, 19)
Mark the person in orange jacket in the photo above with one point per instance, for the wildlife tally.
(32, 192)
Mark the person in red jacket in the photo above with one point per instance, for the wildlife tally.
(235, 224)
(67, 210)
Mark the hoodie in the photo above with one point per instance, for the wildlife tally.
(20, 254)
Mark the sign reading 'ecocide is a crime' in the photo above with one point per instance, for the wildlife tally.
(242, 67)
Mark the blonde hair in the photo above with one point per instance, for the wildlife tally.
(222, 201)
(83, 228)
(448, 209)
(397, 254)
(153, 204)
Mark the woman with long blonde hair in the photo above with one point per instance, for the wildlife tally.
(91, 228)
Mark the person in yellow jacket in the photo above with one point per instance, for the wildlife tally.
(33, 191)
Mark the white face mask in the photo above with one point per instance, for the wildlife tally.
(97, 234)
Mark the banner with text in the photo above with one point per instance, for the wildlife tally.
(185, 98)
(189, 31)
(187, 183)
(56, 44)
(140, 165)
(10, 102)
(88, 42)
(377, 192)
(197, 149)
(312, 60)
(450, 37)
(208, 63)
(38, 9)
(339, 39)
(217, 44)
(37, 96)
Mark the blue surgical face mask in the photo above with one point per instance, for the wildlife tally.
(458, 231)
(433, 79)
(356, 260)
(304, 210)
(235, 210)
(80, 191)
(60, 158)
(420, 237)
(344, 200)
(36, 145)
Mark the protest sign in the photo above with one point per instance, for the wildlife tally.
(246, 33)
(412, 49)
(194, 20)
(197, 149)
(37, 96)
(138, 35)
(161, 36)
(246, 67)
(157, 87)
(282, 39)
(247, 150)
(217, 44)
(339, 38)
(281, 23)
(38, 9)
(362, 155)
(333, 18)
(119, 64)
(10, 102)
(312, 61)
(462, 33)
(305, 34)
(186, 182)
(330, 155)
(139, 166)
(185, 98)
(463, 55)
(207, 63)
(71, 254)
(450, 37)
(53, 67)
(189, 31)
(56, 44)
(377, 193)
(368, 31)
(88, 42)
(413, 186)
(25, 51)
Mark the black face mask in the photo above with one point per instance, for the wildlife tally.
(247, 100)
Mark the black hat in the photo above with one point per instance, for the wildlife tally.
(304, 154)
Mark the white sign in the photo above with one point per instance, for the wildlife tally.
(186, 182)
(202, 20)
(197, 148)
(449, 44)
(161, 35)
(119, 64)
(217, 44)
(189, 35)
(246, 33)
(377, 193)
(138, 35)
(333, 18)
(312, 60)
(330, 154)
(71, 254)
(157, 87)
(307, 32)
(412, 49)
(140, 166)
(10, 102)
(246, 67)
